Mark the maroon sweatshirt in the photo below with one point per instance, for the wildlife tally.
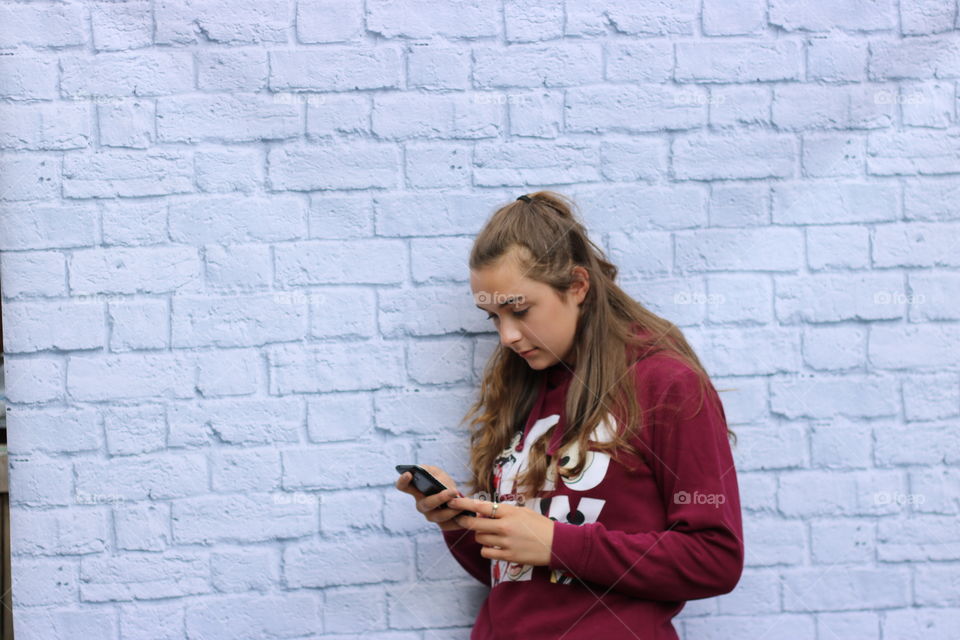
(629, 547)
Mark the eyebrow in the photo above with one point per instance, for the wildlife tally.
(502, 304)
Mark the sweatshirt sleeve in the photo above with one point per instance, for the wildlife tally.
(699, 554)
(466, 550)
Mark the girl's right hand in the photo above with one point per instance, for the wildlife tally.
(429, 505)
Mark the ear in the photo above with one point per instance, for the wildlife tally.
(581, 284)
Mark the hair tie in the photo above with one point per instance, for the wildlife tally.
(525, 198)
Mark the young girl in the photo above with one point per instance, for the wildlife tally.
(600, 441)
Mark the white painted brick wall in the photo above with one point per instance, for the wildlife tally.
(233, 242)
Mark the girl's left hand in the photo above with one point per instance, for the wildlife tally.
(522, 535)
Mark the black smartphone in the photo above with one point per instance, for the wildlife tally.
(426, 484)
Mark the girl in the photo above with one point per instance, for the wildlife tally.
(600, 441)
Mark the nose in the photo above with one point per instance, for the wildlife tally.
(509, 333)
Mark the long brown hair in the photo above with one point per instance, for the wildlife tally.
(547, 240)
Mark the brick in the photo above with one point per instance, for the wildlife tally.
(60, 532)
(134, 270)
(534, 21)
(287, 615)
(31, 25)
(739, 205)
(835, 58)
(32, 77)
(34, 379)
(403, 116)
(935, 491)
(45, 581)
(439, 362)
(126, 74)
(930, 397)
(913, 152)
(840, 444)
(900, 444)
(236, 321)
(226, 171)
(739, 298)
(29, 177)
(322, 21)
(842, 541)
(923, 17)
(928, 104)
(737, 106)
(766, 249)
(139, 576)
(127, 123)
(742, 17)
(634, 109)
(853, 396)
(138, 324)
(833, 154)
(220, 21)
(641, 253)
(348, 467)
(930, 624)
(249, 471)
(53, 325)
(834, 348)
(340, 416)
(711, 61)
(373, 261)
(452, 213)
(376, 68)
(330, 115)
(121, 26)
(114, 377)
(433, 261)
(48, 622)
(719, 627)
(632, 160)
(423, 19)
(235, 421)
(53, 430)
(774, 541)
(916, 244)
(242, 70)
(238, 266)
(680, 299)
(435, 66)
(419, 412)
(604, 208)
(242, 369)
(932, 296)
(643, 18)
(437, 165)
(931, 199)
(838, 247)
(780, 351)
(830, 203)
(231, 219)
(108, 174)
(918, 538)
(701, 156)
(134, 222)
(34, 273)
(909, 58)
(142, 526)
(45, 126)
(355, 317)
(319, 368)
(835, 297)
(226, 118)
(252, 517)
(244, 570)
(806, 106)
(334, 166)
(537, 65)
(39, 225)
(851, 15)
(358, 560)
(757, 592)
(147, 476)
(355, 609)
(520, 163)
(937, 586)
(450, 312)
(847, 589)
(133, 430)
(855, 624)
(768, 448)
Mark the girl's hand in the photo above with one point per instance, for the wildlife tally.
(428, 505)
(516, 534)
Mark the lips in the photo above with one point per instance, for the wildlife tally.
(524, 354)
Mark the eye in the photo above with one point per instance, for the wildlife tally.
(516, 314)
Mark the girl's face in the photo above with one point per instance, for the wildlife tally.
(530, 316)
